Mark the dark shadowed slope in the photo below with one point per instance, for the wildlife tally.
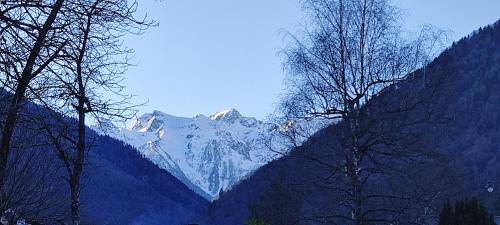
(465, 129)
(125, 188)
(120, 186)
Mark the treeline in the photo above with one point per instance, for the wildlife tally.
(466, 212)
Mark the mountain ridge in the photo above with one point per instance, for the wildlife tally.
(207, 153)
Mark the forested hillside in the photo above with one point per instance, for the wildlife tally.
(120, 186)
(462, 86)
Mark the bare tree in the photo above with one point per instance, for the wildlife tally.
(345, 67)
(66, 55)
(29, 43)
(87, 80)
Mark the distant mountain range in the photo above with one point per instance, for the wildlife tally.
(208, 153)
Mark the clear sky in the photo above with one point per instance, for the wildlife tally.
(209, 55)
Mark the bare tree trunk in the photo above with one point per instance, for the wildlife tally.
(80, 148)
(75, 197)
(82, 111)
(78, 167)
(18, 98)
(9, 125)
(353, 163)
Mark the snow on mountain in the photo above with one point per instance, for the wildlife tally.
(210, 153)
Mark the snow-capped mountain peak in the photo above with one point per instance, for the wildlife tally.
(206, 153)
(229, 115)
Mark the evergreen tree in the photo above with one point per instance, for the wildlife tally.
(447, 215)
(466, 212)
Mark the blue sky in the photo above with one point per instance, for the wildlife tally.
(206, 56)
